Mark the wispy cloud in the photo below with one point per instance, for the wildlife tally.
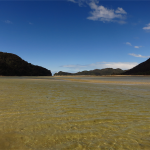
(74, 66)
(8, 21)
(138, 55)
(30, 23)
(83, 1)
(128, 43)
(79, 2)
(120, 11)
(72, 1)
(101, 65)
(147, 28)
(101, 13)
(137, 46)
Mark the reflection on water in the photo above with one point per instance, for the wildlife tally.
(48, 114)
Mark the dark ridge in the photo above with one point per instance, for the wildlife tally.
(97, 72)
(141, 69)
(13, 65)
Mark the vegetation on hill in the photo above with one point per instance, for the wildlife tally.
(97, 72)
(13, 65)
(141, 69)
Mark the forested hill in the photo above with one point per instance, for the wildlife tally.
(106, 71)
(13, 65)
(141, 69)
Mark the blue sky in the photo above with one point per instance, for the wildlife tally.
(76, 35)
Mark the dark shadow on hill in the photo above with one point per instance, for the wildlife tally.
(141, 69)
(13, 65)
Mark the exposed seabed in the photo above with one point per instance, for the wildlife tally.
(49, 113)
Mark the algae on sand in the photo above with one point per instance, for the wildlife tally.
(54, 114)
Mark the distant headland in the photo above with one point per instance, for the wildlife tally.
(13, 65)
(97, 72)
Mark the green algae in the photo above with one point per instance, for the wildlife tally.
(53, 114)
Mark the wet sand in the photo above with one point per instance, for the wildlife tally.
(108, 82)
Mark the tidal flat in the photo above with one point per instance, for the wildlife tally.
(60, 113)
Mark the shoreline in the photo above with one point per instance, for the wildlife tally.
(103, 76)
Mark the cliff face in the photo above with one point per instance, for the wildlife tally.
(106, 71)
(13, 65)
(141, 69)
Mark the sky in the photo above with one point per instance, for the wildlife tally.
(76, 35)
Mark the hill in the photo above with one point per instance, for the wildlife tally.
(13, 65)
(141, 69)
(97, 72)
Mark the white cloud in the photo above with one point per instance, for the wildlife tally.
(121, 65)
(8, 21)
(128, 43)
(101, 13)
(120, 11)
(138, 55)
(137, 46)
(147, 28)
(104, 14)
(101, 65)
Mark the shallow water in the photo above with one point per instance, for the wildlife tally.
(144, 79)
(45, 114)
